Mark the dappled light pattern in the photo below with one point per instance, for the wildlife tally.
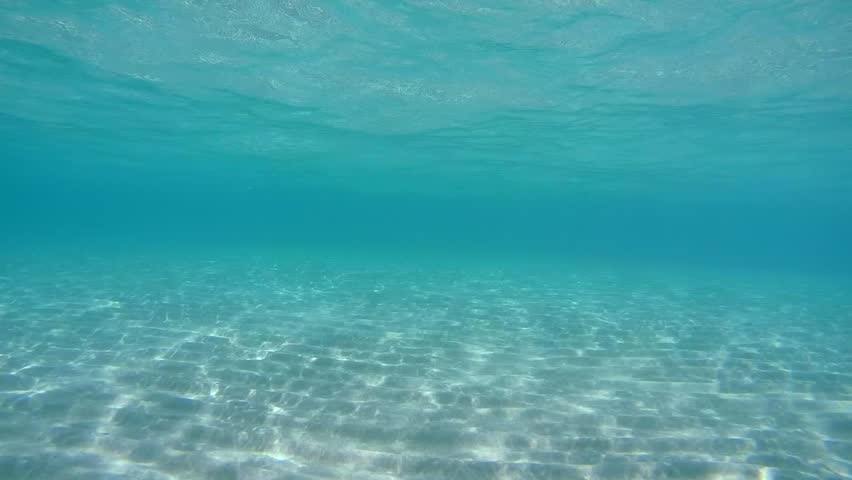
(294, 370)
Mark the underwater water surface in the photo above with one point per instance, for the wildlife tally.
(425, 239)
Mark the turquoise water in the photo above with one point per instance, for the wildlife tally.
(446, 239)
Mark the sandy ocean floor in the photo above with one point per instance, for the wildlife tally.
(264, 369)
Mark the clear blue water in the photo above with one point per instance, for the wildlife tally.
(360, 239)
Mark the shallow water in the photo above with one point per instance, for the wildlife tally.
(252, 368)
(449, 239)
